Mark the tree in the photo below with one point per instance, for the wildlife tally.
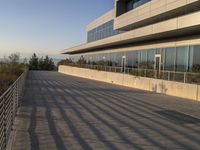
(10, 70)
(13, 65)
(41, 64)
(14, 58)
(65, 62)
(36, 63)
(82, 61)
(33, 62)
(51, 64)
(48, 63)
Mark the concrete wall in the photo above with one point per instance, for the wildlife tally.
(183, 90)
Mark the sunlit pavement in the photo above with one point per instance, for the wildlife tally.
(64, 112)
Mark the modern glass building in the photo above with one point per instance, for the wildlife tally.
(145, 34)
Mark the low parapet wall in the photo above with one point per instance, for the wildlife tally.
(189, 91)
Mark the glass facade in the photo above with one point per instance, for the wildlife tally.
(103, 31)
(123, 6)
(151, 58)
(180, 59)
(132, 4)
(170, 55)
(182, 54)
(194, 58)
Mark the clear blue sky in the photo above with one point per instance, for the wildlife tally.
(46, 26)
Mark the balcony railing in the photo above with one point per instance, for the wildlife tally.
(185, 77)
(10, 101)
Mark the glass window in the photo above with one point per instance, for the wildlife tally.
(138, 3)
(94, 59)
(151, 58)
(170, 54)
(90, 59)
(194, 60)
(103, 31)
(135, 59)
(113, 59)
(143, 59)
(129, 59)
(182, 58)
(143, 56)
(130, 5)
(86, 58)
(107, 55)
(119, 58)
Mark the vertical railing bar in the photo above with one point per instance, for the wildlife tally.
(184, 77)
(4, 123)
(10, 101)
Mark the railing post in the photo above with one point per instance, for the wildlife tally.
(168, 75)
(184, 77)
(145, 72)
(157, 74)
(13, 104)
(17, 95)
(4, 123)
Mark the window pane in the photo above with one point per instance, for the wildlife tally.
(94, 58)
(108, 59)
(143, 59)
(194, 62)
(182, 58)
(113, 59)
(170, 54)
(129, 58)
(130, 5)
(135, 59)
(151, 58)
(119, 58)
(90, 59)
(103, 31)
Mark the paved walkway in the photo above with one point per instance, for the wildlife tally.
(69, 113)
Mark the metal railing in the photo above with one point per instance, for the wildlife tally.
(185, 77)
(10, 101)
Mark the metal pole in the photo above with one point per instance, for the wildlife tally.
(184, 77)
(4, 124)
(168, 75)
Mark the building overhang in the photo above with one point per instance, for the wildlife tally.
(173, 27)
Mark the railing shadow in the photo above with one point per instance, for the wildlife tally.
(113, 118)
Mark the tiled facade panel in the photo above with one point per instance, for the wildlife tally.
(180, 25)
(148, 10)
(174, 25)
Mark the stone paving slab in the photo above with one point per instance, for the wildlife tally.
(69, 113)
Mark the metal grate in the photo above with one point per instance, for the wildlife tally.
(10, 101)
(178, 117)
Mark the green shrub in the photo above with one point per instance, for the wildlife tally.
(6, 81)
(9, 72)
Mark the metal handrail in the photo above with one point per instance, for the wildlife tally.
(10, 101)
(185, 77)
